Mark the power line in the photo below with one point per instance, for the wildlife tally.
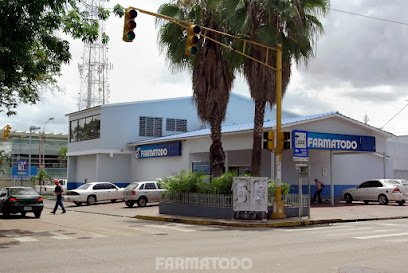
(370, 17)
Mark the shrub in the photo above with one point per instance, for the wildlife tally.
(285, 188)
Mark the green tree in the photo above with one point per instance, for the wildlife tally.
(295, 25)
(31, 51)
(212, 68)
(41, 177)
(62, 155)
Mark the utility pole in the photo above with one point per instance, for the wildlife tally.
(278, 205)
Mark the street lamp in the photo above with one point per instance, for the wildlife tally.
(43, 145)
(32, 128)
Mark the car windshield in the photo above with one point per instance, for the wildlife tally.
(132, 186)
(22, 191)
(84, 186)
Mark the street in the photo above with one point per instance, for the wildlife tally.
(90, 242)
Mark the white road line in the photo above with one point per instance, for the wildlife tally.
(381, 236)
(361, 230)
(25, 239)
(97, 235)
(316, 228)
(181, 229)
(20, 237)
(60, 236)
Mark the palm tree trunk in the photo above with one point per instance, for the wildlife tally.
(257, 137)
(217, 154)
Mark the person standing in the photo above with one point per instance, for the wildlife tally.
(58, 192)
(319, 189)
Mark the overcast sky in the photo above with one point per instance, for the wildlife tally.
(359, 69)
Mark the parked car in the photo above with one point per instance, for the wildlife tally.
(91, 193)
(378, 190)
(142, 193)
(20, 200)
(49, 188)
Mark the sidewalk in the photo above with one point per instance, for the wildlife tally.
(319, 214)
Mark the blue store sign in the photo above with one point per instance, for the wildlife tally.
(325, 141)
(159, 150)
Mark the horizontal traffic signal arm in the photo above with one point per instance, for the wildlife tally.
(245, 43)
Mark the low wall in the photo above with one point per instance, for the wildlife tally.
(195, 210)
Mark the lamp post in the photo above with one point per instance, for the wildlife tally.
(32, 128)
(43, 143)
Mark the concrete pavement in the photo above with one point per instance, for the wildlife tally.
(320, 214)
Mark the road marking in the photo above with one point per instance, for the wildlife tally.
(25, 239)
(60, 236)
(381, 236)
(20, 237)
(362, 230)
(181, 229)
(316, 228)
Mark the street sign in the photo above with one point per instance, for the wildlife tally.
(299, 144)
(21, 169)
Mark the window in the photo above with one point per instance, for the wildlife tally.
(99, 187)
(150, 126)
(177, 125)
(365, 185)
(110, 186)
(85, 128)
(150, 186)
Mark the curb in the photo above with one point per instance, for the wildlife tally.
(290, 223)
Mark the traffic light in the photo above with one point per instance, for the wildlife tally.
(6, 131)
(129, 25)
(287, 140)
(269, 140)
(193, 37)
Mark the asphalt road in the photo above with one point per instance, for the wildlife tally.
(91, 241)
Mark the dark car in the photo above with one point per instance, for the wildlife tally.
(20, 200)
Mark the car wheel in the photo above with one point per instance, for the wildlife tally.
(383, 199)
(23, 213)
(401, 203)
(91, 200)
(37, 214)
(366, 202)
(142, 201)
(78, 203)
(129, 204)
(113, 200)
(348, 198)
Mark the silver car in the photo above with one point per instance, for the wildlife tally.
(91, 193)
(142, 193)
(378, 190)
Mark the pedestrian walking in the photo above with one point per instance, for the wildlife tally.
(58, 192)
(319, 189)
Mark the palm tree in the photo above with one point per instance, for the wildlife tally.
(212, 68)
(293, 24)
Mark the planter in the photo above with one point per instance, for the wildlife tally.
(291, 212)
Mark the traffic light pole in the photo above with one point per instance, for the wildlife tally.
(278, 205)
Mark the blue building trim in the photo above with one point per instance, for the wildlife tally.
(326, 193)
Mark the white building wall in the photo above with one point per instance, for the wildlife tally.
(86, 168)
(115, 168)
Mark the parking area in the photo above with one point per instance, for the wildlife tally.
(107, 208)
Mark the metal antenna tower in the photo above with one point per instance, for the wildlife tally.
(93, 70)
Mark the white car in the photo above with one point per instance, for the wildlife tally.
(91, 193)
(48, 189)
(378, 190)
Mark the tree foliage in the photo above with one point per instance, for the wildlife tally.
(31, 49)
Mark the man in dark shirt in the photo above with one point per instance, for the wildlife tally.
(58, 192)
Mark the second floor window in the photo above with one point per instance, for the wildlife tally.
(176, 125)
(150, 126)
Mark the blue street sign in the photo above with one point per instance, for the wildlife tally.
(299, 144)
